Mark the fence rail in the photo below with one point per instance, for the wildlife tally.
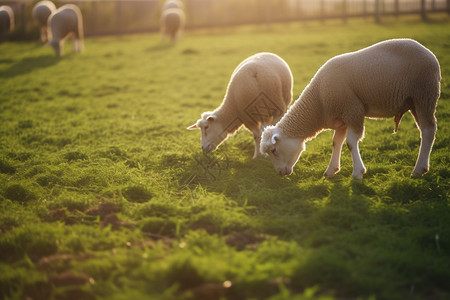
(103, 17)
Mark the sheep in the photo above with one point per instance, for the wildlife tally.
(172, 23)
(259, 91)
(64, 22)
(41, 11)
(172, 4)
(6, 21)
(384, 80)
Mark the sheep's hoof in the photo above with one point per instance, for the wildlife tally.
(329, 173)
(417, 174)
(359, 175)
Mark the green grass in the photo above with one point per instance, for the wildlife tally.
(104, 193)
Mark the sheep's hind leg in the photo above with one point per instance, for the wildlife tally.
(353, 145)
(427, 127)
(335, 161)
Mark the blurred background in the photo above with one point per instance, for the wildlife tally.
(105, 17)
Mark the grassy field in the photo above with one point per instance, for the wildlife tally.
(105, 195)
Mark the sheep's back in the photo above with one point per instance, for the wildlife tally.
(42, 11)
(381, 76)
(264, 80)
(173, 20)
(63, 21)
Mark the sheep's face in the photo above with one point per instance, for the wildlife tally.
(283, 151)
(212, 131)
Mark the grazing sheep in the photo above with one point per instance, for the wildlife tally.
(259, 91)
(64, 22)
(6, 21)
(384, 80)
(172, 4)
(172, 23)
(41, 11)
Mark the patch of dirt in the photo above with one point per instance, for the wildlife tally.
(69, 278)
(209, 291)
(113, 220)
(60, 261)
(244, 240)
(103, 209)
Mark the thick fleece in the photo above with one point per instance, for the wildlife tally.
(64, 22)
(258, 94)
(41, 11)
(381, 81)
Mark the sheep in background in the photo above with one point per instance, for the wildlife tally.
(172, 23)
(6, 21)
(64, 22)
(259, 91)
(172, 4)
(41, 11)
(384, 80)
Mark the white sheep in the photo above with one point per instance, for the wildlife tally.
(384, 80)
(64, 22)
(259, 91)
(172, 4)
(41, 11)
(172, 23)
(6, 21)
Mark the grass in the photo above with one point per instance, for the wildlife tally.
(105, 195)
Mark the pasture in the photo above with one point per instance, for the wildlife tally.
(104, 194)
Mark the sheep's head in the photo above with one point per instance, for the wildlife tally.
(212, 131)
(283, 151)
(56, 46)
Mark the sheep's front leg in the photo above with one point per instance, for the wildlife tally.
(353, 138)
(257, 138)
(74, 44)
(335, 161)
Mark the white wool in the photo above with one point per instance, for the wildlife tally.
(6, 20)
(259, 91)
(64, 22)
(381, 81)
(41, 11)
(172, 23)
(172, 4)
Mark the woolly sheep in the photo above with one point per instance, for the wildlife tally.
(172, 23)
(64, 22)
(41, 11)
(6, 21)
(172, 4)
(384, 80)
(259, 91)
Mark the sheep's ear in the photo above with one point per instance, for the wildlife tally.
(192, 127)
(211, 118)
(275, 138)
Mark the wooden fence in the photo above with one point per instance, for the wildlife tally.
(103, 17)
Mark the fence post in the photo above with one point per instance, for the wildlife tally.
(268, 14)
(118, 17)
(397, 10)
(322, 10)
(377, 12)
(423, 10)
(24, 19)
(344, 10)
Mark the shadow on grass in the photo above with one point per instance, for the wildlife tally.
(29, 64)
(159, 47)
